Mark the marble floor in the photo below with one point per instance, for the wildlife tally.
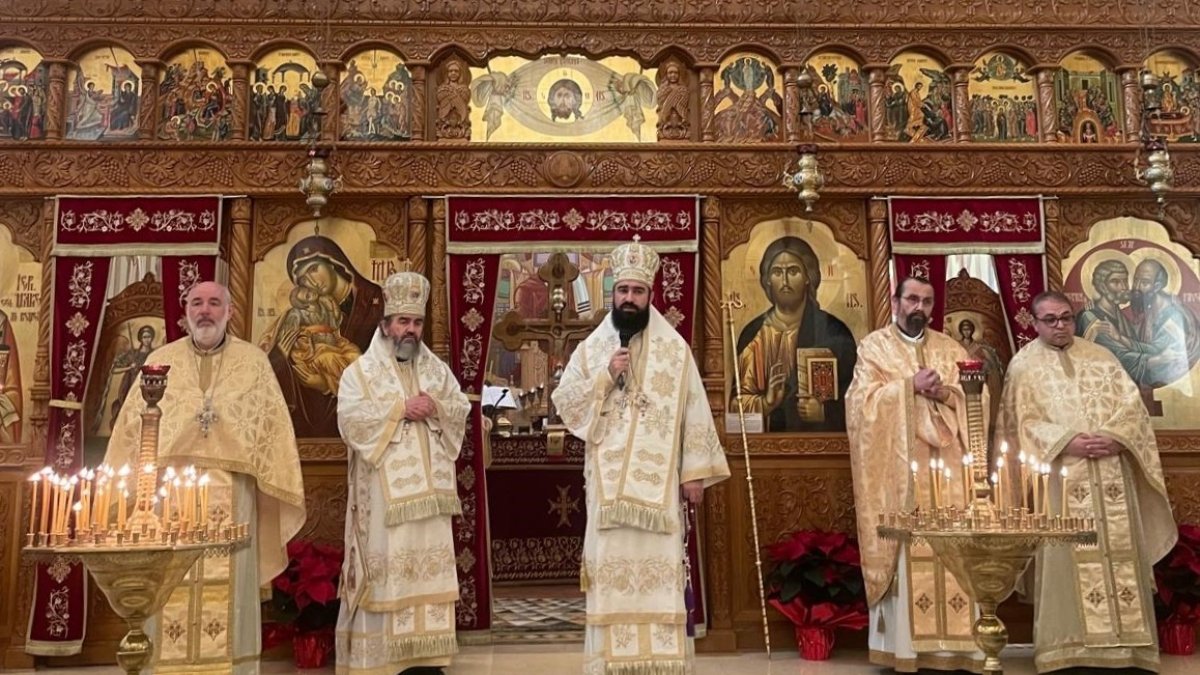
(566, 659)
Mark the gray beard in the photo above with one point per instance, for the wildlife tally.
(405, 350)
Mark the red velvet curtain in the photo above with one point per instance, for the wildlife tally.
(88, 232)
(481, 229)
(1010, 229)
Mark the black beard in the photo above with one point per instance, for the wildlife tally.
(1138, 301)
(914, 323)
(630, 323)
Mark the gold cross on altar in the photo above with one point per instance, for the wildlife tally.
(565, 505)
(556, 332)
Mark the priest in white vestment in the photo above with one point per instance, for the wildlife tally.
(403, 416)
(1070, 404)
(905, 406)
(633, 393)
(223, 413)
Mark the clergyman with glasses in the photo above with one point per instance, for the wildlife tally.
(1069, 403)
(906, 407)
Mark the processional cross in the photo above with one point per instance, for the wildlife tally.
(554, 334)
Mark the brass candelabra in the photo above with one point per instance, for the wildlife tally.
(985, 543)
(138, 558)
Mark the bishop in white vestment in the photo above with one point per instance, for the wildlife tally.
(403, 417)
(223, 412)
(644, 415)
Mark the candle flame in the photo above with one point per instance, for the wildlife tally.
(1004, 447)
(995, 478)
(78, 506)
(47, 471)
(1000, 463)
(124, 471)
(35, 477)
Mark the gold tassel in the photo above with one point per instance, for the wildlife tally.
(621, 512)
(585, 582)
(422, 646)
(437, 504)
(646, 668)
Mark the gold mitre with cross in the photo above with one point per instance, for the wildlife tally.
(405, 293)
(635, 262)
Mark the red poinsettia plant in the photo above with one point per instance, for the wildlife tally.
(1177, 576)
(304, 596)
(817, 580)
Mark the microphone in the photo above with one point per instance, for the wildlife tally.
(625, 337)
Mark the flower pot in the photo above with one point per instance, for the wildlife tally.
(1177, 638)
(311, 650)
(815, 643)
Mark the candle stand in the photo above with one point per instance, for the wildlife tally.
(138, 561)
(983, 543)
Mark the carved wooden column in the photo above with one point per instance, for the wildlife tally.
(239, 107)
(441, 327)
(39, 392)
(56, 99)
(331, 100)
(708, 132)
(418, 223)
(878, 256)
(1131, 97)
(148, 99)
(240, 269)
(1047, 108)
(961, 101)
(419, 107)
(1054, 252)
(791, 104)
(710, 260)
(877, 86)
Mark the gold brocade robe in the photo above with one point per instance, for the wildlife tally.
(211, 623)
(398, 584)
(1094, 604)
(890, 426)
(642, 442)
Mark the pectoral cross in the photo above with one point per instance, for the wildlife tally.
(206, 417)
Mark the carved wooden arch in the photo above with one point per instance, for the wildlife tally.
(673, 52)
(1107, 57)
(1019, 53)
(138, 300)
(23, 219)
(441, 56)
(839, 48)
(274, 218)
(1179, 217)
(943, 58)
(846, 219)
(265, 48)
(364, 45)
(758, 48)
(91, 44)
(1189, 54)
(7, 42)
(175, 47)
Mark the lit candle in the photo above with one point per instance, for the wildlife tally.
(1046, 489)
(934, 480)
(122, 495)
(33, 503)
(999, 482)
(948, 477)
(966, 479)
(165, 493)
(1024, 464)
(1063, 486)
(912, 477)
(204, 500)
(85, 498)
(77, 509)
(176, 486)
(47, 474)
(188, 504)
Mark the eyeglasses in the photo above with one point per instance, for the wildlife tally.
(918, 300)
(1063, 320)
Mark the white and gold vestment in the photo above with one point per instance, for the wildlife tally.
(642, 442)
(1094, 605)
(920, 616)
(223, 412)
(399, 583)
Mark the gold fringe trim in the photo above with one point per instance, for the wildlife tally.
(422, 646)
(585, 582)
(646, 668)
(621, 512)
(437, 504)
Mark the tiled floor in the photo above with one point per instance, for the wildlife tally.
(566, 659)
(525, 620)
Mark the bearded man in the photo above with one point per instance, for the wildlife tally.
(911, 410)
(403, 417)
(633, 393)
(223, 412)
